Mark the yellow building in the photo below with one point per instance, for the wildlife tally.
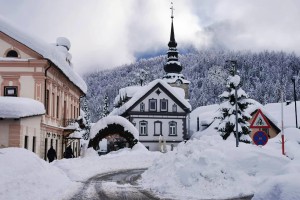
(42, 72)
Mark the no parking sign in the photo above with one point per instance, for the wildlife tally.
(260, 138)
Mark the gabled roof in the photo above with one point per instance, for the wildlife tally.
(19, 107)
(146, 90)
(48, 51)
(208, 117)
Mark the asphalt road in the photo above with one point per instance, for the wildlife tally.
(119, 185)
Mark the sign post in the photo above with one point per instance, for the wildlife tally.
(260, 138)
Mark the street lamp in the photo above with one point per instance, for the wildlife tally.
(295, 79)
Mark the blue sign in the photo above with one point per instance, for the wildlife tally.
(260, 138)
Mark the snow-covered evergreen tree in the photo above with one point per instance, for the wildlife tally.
(227, 125)
(105, 110)
(86, 120)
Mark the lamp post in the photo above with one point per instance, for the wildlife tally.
(295, 79)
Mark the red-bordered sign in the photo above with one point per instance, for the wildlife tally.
(260, 138)
(260, 121)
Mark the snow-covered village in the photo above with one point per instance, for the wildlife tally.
(160, 99)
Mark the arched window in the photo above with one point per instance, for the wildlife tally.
(12, 54)
(143, 128)
(172, 128)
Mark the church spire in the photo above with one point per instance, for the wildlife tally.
(172, 65)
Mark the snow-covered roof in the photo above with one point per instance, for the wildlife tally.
(173, 77)
(18, 107)
(126, 92)
(144, 90)
(104, 122)
(52, 52)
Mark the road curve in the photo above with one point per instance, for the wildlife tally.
(118, 185)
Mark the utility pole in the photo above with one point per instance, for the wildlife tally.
(295, 79)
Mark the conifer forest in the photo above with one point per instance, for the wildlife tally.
(264, 75)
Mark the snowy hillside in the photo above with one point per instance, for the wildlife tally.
(261, 74)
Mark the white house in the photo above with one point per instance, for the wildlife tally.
(156, 109)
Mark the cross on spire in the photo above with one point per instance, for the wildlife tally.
(172, 10)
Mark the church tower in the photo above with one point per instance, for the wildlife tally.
(173, 67)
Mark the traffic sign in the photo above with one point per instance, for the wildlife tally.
(260, 121)
(260, 138)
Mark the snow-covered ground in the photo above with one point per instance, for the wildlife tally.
(25, 176)
(205, 167)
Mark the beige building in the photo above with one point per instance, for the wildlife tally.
(42, 72)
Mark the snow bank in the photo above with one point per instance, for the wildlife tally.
(211, 168)
(17, 107)
(25, 176)
(83, 168)
(104, 122)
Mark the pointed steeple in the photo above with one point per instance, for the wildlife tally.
(172, 65)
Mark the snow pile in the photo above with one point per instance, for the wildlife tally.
(104, 122)
(18, 107)
(83, 168)
(211, 168)
(25, 176)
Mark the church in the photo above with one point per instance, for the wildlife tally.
(159, 110)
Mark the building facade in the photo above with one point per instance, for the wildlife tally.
(32, 69)
(158, 111)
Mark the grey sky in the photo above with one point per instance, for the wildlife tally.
(107, 33)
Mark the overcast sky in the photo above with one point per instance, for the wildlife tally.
(108, 33)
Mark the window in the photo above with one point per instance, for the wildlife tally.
(164, 105)
(11, 91)
(33, 144)
(12, 54)
(143, 128)
(46, 148)
(26, 142)
(71, 111)
(57, 107)
(172, 128)
(53, 105)
(47, 102)
(152, 104)
(174, 108)
(142, 107)
(157, 128)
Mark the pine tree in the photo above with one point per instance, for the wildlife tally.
(86, 121)
(105, 107)
(227, 113)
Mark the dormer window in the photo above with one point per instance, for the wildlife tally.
(12, 54)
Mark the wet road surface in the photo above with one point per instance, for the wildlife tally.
(119, 185)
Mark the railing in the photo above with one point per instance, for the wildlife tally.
(68, 122)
